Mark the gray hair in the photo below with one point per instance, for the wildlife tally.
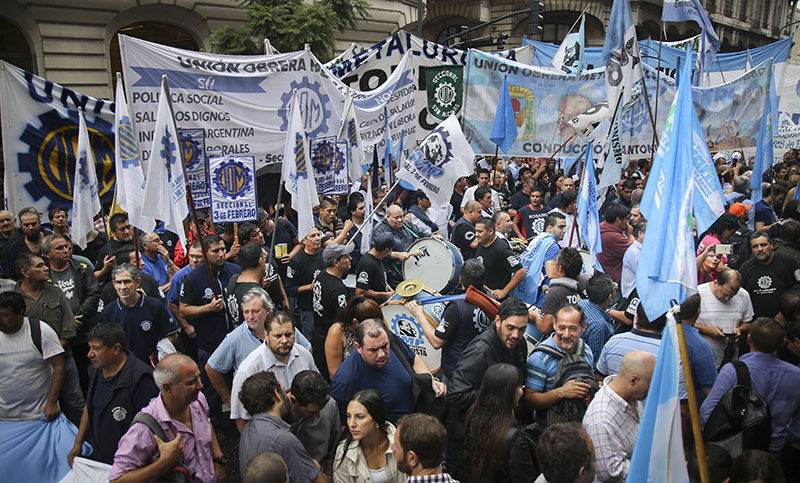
(126, 268)
(261, 294)
(47, 241)
(166, 372)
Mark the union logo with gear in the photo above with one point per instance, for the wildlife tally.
(232, 179)
(404, 327)
(192, 154)
(433, 153)
(51, 159)
(328, 158)
(314, 106)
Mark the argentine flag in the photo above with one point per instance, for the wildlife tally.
(588, 214)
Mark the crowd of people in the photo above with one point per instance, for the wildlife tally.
(150, 350)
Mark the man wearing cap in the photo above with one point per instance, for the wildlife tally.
(303, 269)
(329, 295)
(370, 274)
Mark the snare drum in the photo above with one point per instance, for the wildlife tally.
(438, 264)
(403, 325)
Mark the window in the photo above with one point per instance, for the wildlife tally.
(154, 32)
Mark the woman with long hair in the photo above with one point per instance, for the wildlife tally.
(341, 341)
(490, 429)
(365, 452)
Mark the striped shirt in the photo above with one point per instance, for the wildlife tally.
(599, 326)
(727, 315)
(613, 425)
(635, 340)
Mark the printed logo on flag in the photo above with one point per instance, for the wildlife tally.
(191, 151)
(314, 106)
(129, 152)
(300, 156)
(232, 179)
(327, 158)
(522, 101)
(52, 145)
(168, 152)
(433, 153)
(445, 86)
(193, 145)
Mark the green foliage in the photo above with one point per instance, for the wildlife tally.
(289, 24)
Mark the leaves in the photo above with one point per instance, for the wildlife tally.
(289, 25)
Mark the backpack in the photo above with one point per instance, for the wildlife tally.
(741, 420)
(36, 334)
(178, 473)
(571, 367)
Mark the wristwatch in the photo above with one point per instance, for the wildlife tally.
(220, 460)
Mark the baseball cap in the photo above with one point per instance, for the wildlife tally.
(738, 209)
(382, 241)
(718, 156)
(737, 156)
(335, 251)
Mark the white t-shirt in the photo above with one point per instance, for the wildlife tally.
(26, 373)
(728, 315)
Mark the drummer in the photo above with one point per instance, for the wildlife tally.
(403, 235)
(507, 272)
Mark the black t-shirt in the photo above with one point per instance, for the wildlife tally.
(329, 296)
(562, 291)
(518, 200)
(455, 202)
(285, 235)
(460, 323)
(502, 260)
(301, 271)
(355, 255)
(463, 235)
(532, 220)
(236, 291)
(370, 274)
(766, 283)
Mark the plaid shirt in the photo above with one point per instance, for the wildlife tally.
(440, 478)
(613, 425)
(599, 327)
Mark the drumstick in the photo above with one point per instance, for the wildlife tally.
(417, 253)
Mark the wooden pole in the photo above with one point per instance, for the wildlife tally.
(694, 413)
(560, 148)
(275, 225)
(135, 245)
(658, 89)
(581, 169)
(236, 233)
(189, 199)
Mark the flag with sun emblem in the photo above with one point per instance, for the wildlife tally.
(297, 173)
(165, 190)
(128, 165)
(85, 199)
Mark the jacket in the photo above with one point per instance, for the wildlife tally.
(351, 467)
(133, 389)
(87, 290)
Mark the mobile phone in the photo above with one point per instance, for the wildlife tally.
(723, 249)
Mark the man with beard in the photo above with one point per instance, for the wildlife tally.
(419, 448)
(263, 396)
(31, 241)
(530, 218)
(278, 354)
(541, 372)
(206, 311)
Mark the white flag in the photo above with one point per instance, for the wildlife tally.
(349, 132)
(440, 159)
(296, 172)
(165, 190)
(85, 198)
(128, 165)
(366, 232)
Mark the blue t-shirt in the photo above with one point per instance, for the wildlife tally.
(156, 268)
(393, 382)
(763, 213)
(174, 292)
(144, 324)
(702, 360)
(196, 290)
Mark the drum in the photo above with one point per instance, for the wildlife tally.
(437, 263)
(402, 323)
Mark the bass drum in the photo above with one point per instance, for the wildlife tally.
(403, 325)
(437, 263)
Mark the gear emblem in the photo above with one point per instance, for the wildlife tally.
(50, 159)
(314, 106)
(445, 94)
(232, 179)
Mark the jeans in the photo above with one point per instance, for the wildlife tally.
(307, 323)
(71, 397)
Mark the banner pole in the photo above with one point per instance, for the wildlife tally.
(275, 224)
(582, 170)
(372, 213)
(561, 147)
(658, 89)
(189, 198)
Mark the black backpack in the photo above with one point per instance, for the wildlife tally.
(571, 367)
(741, 420)
(178, 473)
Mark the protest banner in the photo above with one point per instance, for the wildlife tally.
(329, 158)
(240, 101)
(193, 144)
(233, 189)
(371, 68)
(40, 135)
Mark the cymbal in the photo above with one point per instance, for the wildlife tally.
(409, 288)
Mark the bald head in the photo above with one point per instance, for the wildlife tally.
(472, 211)
(169, 368)
(637, 362)
(635, 372)
(394, 216)
(266, 467)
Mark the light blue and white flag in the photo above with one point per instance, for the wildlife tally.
(690, 11)
(440, 159)
(366, 232)
(658, 453)
(388, 151)
(128, 166)
(85, 197)
(165, 190)
(296, 172)
(667, 268)
(764, 154)
(569, 56)
(588, 212)
(621, 54)
(504, 129)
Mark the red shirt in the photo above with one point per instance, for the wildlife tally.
(615, 243)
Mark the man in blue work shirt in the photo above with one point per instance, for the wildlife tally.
(144, 319)
(156, 260)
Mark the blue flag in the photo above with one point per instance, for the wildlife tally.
(388, 150)
(764, 151)
(691, 11)
(667, 269)
(588, 213)
(658, 453)
(504, 130)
